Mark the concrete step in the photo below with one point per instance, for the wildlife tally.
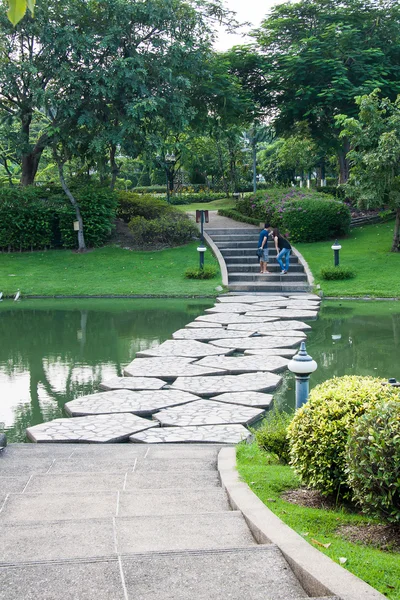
(242, 259)
(248, 237)
(250, 230)
(255, 268)
(269, 286)
(65, 505)
(274, 277)
(249, 251)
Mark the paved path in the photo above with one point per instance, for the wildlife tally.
(127, 522)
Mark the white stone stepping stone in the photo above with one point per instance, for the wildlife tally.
(93, 429)
(302, 305)
(226, 319)
(273, 326)
(229, 307)
(210, 386)
(256, 399)
(207, 412)
(196, 324)
(143, 403)
(134, 383)
(189, 348)
(285, 332)
(203, 334)
(290, 313)
(305, 297)
(267, 352)
(249, 299)
(252, 343)
(207, 434)
(168, 368)
(235, 365)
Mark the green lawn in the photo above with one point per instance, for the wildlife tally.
(214, 205)
(105, 271)
(268, 481)
(367, 251)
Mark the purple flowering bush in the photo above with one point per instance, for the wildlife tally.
(302, 215)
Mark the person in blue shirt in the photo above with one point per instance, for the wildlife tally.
(263, 246)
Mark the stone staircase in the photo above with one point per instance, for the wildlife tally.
(123, 521)
(238, 248)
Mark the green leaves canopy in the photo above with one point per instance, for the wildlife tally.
(17, 9)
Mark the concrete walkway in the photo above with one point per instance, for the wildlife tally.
(124, 522)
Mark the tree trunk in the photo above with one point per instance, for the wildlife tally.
(344, 165)
(29, 165)
(114, 166)
(396, 233)
(81, 238)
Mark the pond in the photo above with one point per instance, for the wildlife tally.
(52, 351)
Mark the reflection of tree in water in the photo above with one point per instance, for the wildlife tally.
(65, 351)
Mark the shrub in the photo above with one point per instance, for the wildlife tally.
(189, 198)
(373, 461)
(33, 218)
(272, 434)
(334, 273)
(319, 430)
(132, 205)
(168, 230)
(150, 189)
(304, 216)
(332, 190)
(208, 272)
(236, 216)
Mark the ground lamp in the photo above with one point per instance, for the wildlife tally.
(201, 217)
(336, 247)
(302, 365)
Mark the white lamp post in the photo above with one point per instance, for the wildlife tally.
(302, 365)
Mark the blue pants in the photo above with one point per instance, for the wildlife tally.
(284, 255)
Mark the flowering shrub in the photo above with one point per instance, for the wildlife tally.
(304, 216)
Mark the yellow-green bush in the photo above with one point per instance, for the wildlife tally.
(272, 436)
(319, 430)
(373, 461)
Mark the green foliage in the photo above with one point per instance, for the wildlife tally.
(373, 461)
(237, 216)
(168, 230)
(335, 273)
(32, 218)
(132, 205)
(208, 272)
(200, 197)
(272, 434)
(304, 216)
(332, 190)
(17, 9)
(319, 430)
(149, 189)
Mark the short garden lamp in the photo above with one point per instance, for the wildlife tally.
(336, 247)
(201, 250)
(302, 365)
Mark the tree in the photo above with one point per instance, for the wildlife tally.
(17, 9)
(375, 155)
(320, 54)
(130, 63)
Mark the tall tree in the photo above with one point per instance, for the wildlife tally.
(375, 155)
(320, 54)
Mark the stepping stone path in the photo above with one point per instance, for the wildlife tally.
(207, 412)
(98, 429)
(143, 403)
(168, 369)
(203, 386)
(209, 386)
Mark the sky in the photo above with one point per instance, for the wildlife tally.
(247, 10)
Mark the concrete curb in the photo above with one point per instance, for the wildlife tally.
(302, 261)
(317, 573)
(219, 257)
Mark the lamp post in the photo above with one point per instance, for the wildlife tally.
(167, 164)
(201, 217)
(302, 365)
(336, 247)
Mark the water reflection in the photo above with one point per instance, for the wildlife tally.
(52, 352)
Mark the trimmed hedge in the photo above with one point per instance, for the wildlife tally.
(208, 272)
(337, 273)
(168, 230)
(189, 198)
(237, 216)
(132, 205)
(319, 430)
(303, 216)
(33, 218)
(272, 435)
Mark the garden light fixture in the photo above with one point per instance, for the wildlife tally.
(302, 365)
(336, 247)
